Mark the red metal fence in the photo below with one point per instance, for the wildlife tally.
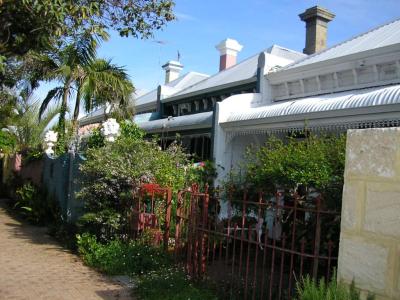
(251, 244)
(262, 247)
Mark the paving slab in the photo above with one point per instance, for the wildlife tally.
(34, 266)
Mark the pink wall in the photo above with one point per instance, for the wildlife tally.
(33, 172)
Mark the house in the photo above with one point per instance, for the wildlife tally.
(189, 112)
(355, 84)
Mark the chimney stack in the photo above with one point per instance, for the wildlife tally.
(172, 70)
(316, 19)
(228, 50)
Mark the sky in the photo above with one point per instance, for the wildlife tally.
(256, 24)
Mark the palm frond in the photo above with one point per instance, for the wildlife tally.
(55, 94)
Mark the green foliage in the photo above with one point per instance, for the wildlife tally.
(131, 131)
(32, 154)
(96, 139)
(203, 173)
(315, 161)
(112, 172)
(29, 130)
(35, 205)
(121, 258)
(31, 24)
(106, 224)
(170, 284)
(308, 289)
(7, 142)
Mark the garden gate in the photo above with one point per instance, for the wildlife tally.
(143, 215)
(259, 246)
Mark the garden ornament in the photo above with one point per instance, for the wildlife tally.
(110, 130)
(50, 139)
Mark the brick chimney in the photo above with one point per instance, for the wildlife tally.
(228, 50)
(316, 19)
(172, 70)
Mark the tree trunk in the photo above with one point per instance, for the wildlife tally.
(76, 110)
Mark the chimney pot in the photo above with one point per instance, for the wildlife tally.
(316, 19)
(172, 70)
(228, 50)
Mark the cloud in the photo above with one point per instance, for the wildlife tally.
(185, 17)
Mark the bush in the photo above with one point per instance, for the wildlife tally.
(96, 139)
(308, 289)
(35, 205)
(315, 162)
(121, 258)
(170, 284)
(8, 142)
(112, 172)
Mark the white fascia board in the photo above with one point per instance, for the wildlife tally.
(351, 61)
(211, 89)
(178, 128)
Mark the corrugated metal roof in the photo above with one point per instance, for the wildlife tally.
(331, 102)
(182, 82)
(195, 121)
(385, 35)
(94, 116)
(242, 71)
(140, 118)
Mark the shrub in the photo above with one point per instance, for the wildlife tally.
(96, 139)
(122, 258)
(35, 205)
(170, 284)
(308, 289)
(8, 142)
(315, 162)
(112, 172)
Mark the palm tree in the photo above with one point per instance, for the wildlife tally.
(94, 81)
(25, 126)
(65, 67)
(102, 82)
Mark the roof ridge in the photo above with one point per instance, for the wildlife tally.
(339, 44)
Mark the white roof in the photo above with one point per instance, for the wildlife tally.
(181, 82)
(95, 116)
(242, 72)
(323, 106)
(188, 122)
(384, 35)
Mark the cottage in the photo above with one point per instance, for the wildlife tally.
(355, 84)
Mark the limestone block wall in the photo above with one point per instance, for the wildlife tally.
(369, 249)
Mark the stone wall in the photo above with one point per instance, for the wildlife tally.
(370, 227)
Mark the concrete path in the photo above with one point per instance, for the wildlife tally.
(34, 266)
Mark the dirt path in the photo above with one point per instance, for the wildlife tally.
(34, 266)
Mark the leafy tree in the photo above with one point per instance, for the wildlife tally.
(35, 25)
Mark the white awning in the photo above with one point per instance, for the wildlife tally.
(188, 122)
(377, 104)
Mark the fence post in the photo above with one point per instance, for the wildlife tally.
(69, 191)
(167, 218)
(203, 235)
(317, 239)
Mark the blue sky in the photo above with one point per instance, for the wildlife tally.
(256, 24)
